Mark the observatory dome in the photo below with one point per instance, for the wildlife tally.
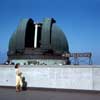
(43, 40)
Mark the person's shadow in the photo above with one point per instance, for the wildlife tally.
(24, 86)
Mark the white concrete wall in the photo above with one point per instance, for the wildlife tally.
(85, 77)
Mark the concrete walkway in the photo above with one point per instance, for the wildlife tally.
(39, 94)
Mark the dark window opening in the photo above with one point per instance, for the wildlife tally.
(39, 36)
(29, 36)
(50, 32)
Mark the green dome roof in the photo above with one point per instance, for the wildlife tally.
(49, 36)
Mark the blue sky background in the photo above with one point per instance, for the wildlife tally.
(79, 19)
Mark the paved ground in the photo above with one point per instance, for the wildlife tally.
(36, 94)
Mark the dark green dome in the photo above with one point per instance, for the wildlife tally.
(39, 37)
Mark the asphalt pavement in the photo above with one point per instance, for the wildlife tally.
(39, 94)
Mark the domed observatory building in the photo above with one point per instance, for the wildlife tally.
(38, 43)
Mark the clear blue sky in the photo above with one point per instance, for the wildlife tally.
(79, 19)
